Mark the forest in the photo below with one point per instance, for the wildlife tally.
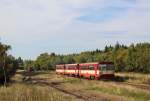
(133, 58)
(38, 79)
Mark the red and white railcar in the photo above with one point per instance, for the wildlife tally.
(96, 70)
(72, 69)
(60, 69)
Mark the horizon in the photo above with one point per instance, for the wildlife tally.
(66, 27)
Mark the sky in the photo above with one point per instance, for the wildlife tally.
(32, 27)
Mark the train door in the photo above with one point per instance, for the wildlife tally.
(77, 70)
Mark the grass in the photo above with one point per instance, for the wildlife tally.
(24, 92)
(72, 80)
(135, 77)
(30, 92)
(127, 92)
(131, 94)
(21, 91)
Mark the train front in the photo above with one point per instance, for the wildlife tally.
(106, 70)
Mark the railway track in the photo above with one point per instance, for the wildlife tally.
(78, 94)
(141, 86)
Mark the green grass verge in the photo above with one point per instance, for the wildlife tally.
(136, 95)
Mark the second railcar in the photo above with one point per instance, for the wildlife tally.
(72, 69)
(60, 69)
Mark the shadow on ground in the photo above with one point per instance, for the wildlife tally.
(118, 79)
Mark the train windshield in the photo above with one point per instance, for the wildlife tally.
(106, 67)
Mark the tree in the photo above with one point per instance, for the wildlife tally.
(106, 49)
(3, 54)
(8, 64)
(20, 62)
(68, 59)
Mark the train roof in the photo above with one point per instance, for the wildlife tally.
(60, 65)
(71, 64)
(92, 63)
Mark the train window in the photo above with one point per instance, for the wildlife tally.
(71, 67)
(87, 67)
(59, 67)
(110, 67)
(105, 67)
(102, 67)
(84, 67)
(91, 67)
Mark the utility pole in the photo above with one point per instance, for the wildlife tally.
(5, 77)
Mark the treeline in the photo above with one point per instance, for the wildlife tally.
(133, 58)
(8, 64)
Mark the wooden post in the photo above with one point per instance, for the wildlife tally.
(5, 77)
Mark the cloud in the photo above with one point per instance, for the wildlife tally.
(65, 26)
